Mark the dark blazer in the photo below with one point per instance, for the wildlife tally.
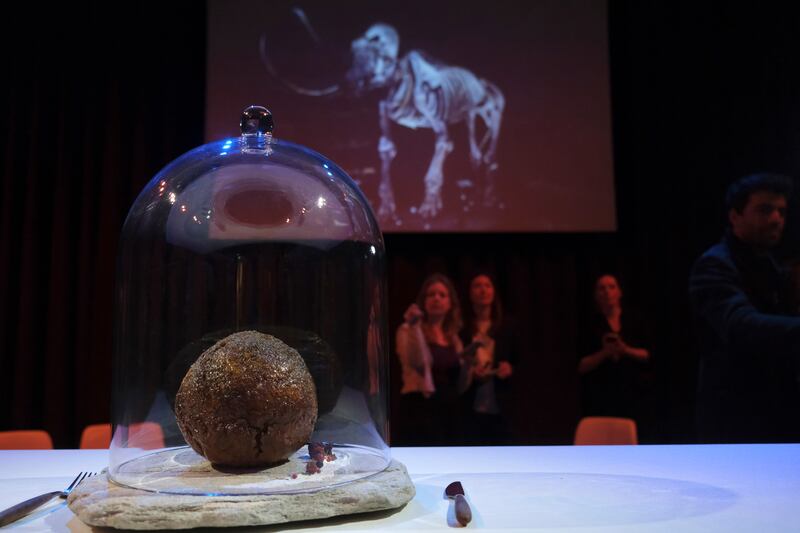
(508, 347)
(749, 346)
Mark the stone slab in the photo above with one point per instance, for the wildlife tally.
(99, 502)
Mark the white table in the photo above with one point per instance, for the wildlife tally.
(726, 488)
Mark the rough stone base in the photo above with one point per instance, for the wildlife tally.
(99, 502)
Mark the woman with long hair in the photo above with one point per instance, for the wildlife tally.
(429, 350)
(491, 368)
(613, 358)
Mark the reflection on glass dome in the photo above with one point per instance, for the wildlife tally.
(250, 234)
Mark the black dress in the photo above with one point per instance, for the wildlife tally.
(616, 388)
(435, 420)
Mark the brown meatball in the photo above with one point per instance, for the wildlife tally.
(247, 401)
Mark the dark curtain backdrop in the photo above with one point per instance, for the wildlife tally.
(96, 100)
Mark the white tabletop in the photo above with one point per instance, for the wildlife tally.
(673, 489)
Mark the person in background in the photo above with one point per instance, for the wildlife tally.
(492, 347)
(794, 282)
(613, 362)
(433, 370)
(747, 328)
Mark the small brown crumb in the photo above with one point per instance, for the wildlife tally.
(315, 447)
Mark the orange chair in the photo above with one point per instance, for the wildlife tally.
(96, 437)
(146, 435)
(29, 439)
(605, 430)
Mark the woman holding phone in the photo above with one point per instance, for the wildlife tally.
(433, 369)
(488, 383)
(613, 359)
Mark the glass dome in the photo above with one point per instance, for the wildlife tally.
(249, 234)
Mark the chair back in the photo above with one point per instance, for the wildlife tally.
(96, 437)
(146, 435)
(605, 430)
(25, 439)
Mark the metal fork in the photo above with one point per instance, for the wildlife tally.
(12, 514)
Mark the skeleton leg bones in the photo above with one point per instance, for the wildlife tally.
(387, 152)
(434, 178)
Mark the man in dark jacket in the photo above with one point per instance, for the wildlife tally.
(747, 331)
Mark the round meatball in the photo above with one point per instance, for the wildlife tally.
(247, 401)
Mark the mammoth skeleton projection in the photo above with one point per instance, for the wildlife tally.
(419, 93)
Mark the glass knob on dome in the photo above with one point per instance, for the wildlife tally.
(256, 120)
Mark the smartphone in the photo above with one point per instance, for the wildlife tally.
(610, 337)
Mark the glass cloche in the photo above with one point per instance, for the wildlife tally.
(250, 237)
